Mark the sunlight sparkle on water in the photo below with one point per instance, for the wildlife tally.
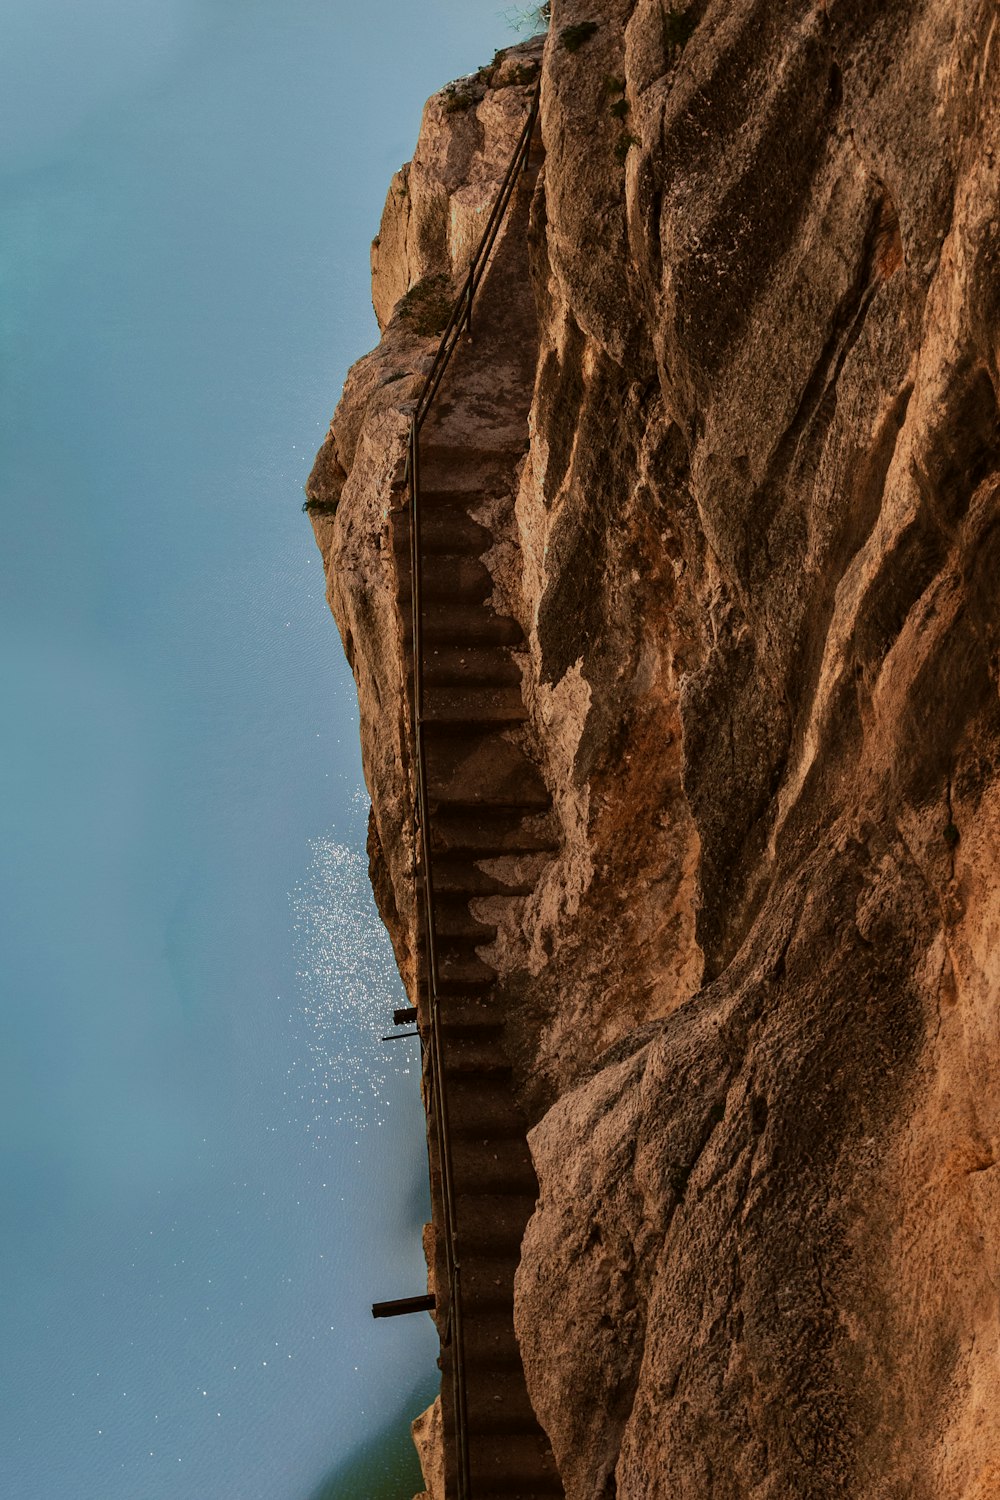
(349, 987)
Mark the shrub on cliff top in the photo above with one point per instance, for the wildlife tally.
(458, 97)
(466, 92)
(534, 18)
(523, 73)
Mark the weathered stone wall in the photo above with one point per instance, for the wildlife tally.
(434, 216)
(755, 559)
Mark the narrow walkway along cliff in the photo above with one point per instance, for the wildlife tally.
(485, 807)
(711, 728)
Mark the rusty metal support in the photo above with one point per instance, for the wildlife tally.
(401, 1306)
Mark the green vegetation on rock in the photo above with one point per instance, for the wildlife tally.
(427, 306)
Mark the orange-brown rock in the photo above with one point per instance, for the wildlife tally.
(428, 1439)
(754, 553)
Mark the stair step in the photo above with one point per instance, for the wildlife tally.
(447, 498)
(495, 1418)
(446, 526)
(498, 1404)
(487, 1029)
(488, 1338)
(447, 469)
(536, 1489)
(512, 1464)
(452, 919)
(448, 623)
(466, 1014)
(457, 970)
(457, 986)
(488, 1282)
(457, 943)
(477, 666)
(450, 576)
(468, 1055)
(481, 1115)
(492, 1097)
(489, 1220)
(462, 877)
(495, 1168)
(449, 706)
(482, 1091)
(491, 832)
(483, 770)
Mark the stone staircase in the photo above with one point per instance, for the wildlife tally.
(489, 823)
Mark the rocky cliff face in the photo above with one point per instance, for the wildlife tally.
(754, 553)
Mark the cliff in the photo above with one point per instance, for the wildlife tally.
(752, 546)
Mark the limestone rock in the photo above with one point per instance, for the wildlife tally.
(428, 233)
(437, 203)
(428, 1439)
(755, 988)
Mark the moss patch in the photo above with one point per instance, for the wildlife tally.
(427, 306)
(623, 146)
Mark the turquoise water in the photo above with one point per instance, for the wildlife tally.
(210, 1167)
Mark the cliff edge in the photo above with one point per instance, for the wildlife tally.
(752, 546)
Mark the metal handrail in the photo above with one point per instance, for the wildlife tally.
(461, 314)
(460, 322)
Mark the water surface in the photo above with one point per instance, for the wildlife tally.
(210, 1167)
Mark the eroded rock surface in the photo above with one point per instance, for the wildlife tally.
(428, 1439)
(754, 989)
